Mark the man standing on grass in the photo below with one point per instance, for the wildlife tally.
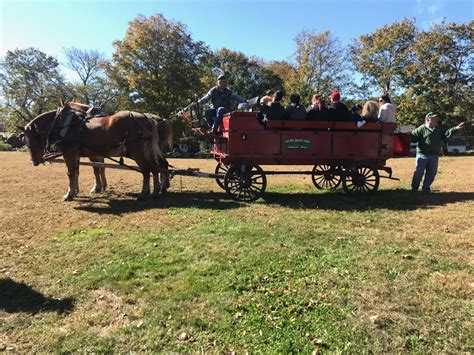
(430, 137)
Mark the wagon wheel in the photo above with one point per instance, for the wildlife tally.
(326, 178)
(360, 179)
(245, 182)
(221, 169)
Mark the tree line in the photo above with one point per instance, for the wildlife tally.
(158, 67)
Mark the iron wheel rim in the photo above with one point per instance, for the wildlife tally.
(361, 180)
(221, 169)
(246, 183)
(325, 180)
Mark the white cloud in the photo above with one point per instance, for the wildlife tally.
(426, 25)
(433, 9)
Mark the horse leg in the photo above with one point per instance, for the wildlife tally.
(72, 170)
(156, 185)
(103, 179)
(159, 169)
(146, 185)
(76, 177)
(165, 176)
(98, 187)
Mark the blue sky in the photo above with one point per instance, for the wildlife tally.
(260, 28)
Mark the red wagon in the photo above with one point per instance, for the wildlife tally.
(339, 152)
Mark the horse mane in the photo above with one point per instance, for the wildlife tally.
(370, 110)
(46, 116)
(79, 106)
(41, 119)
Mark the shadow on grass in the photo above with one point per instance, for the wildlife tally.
(201, 200)
(17, 297)
(398, 199)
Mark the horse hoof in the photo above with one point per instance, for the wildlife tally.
(143, 197)
(68, 197)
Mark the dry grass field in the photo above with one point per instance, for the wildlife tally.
(302, 270)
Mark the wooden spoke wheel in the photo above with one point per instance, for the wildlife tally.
(326, 177)
(245, 182)
(221, 169)
(360, 179)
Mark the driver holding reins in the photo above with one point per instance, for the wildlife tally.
(221, 101)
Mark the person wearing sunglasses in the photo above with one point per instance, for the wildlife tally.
(387, 110)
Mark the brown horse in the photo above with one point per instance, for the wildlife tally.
(165, 134)
(125, 133)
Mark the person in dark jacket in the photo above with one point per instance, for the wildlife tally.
(337, 110)
(318, 111)
(430, 137)
(221, 101)
(294, 111)
(275, 110)
(356, 113)
(314, 102)
(278, 111)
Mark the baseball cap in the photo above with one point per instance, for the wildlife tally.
(431, 115)
(335, 95)
(222, 77)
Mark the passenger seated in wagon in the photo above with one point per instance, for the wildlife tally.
(337, 110)
(268, 98)
(387, 111)
(370, 111)
(294, 111)
(356, 111)
(318, 110)
(314, 102)
(275, 110)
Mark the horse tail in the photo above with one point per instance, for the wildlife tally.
(155, 142)
(151, 146)
(169, 135)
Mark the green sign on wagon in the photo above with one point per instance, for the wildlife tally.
(297, 143)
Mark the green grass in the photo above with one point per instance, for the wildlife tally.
(258, 277)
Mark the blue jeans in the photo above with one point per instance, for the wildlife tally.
(214, 116)
(425, 165)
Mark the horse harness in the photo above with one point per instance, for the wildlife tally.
(62, 122)
(56, 134)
